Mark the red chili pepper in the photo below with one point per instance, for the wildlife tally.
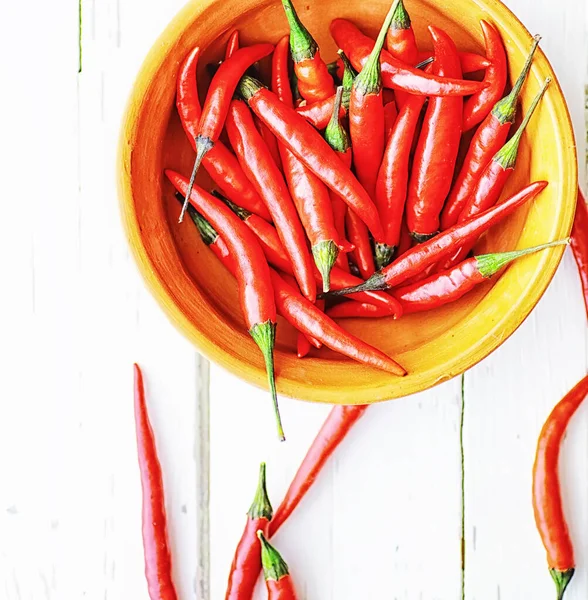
(216, 106)
(307, 144)
(232, 44)
(476, 108)
(281, 72)
(487, 141)
(366, 116)
(417, 259)
(278, 581)
(270, 141)
(347, 310)
(358, 235)
(390, 116)
(392, 184)
(451, 284)
(247, 559)
(302, 345)
(319, 113)
(158, 568)
(493, 178)
(395, 74)
(221, 164)
(470, 61)
(255, 287)
(256, 162)
(580, 242)
(406, 242)
(306, 317)
(547, 502)
(337, 425)
(436, 152)
(315, 83)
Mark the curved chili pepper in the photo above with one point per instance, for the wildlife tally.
(216, 106)
(270, 141)
(476, 108)
(487, 141)
(417, 259)
(306, 317)
(255, 287)
(333, 431)
(302, 345)
(307, 144)
(580, 242)
(470, 61)
(493, 179)
(390, 116)
(347, 310)
(158, 568)
(358, 235)
(220, 163)
(278, 581)
(314, 80)
(392, 183)
(232, 44)
(436, 152)
(256, 162)
(395, 74)
(247, 560)
(281, 72)
(547, 502)
(451, 284)
(406, 242)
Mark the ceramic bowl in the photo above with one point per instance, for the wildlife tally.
(200, 297)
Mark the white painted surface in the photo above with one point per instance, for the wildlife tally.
(384, 519)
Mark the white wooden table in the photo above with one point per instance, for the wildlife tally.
(385, 519)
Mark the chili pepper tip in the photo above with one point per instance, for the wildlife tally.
(562, 580)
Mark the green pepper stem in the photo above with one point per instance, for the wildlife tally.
(261, 506)
(302, 44)
(242, 213)
(505, 110)
(325, 254)
(383, 255)
(369, 81)
(249, 86)
(507, 155)
(207, 232)
(401, 18)
(490, 264)
(561, 579)
(274, 566)
(375, 283)
(349, 75)
(335, 133)
(203, 145)
(264, 335)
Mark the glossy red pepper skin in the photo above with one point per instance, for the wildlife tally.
(470, 61)
(306, 317)
(580, 243)
(356, 310)
(307, 144)
(339, 215)
(302, 345)
(476, 108)
(281, 73)
(359, 236)
(390, 116)
(278, 581)
(270, 141)
(220, 163)
(418, 258)
(283, 589)
(158, 568)
(436, 152)
(256, 162)
(405, 242)
(395, 74)
(232, 44)
(319, 113)
(392, 183)
(337, 425)
(547, 501)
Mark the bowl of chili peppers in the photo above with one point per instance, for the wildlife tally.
(375, 192)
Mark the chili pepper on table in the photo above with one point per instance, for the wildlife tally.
(392, 183)
(418, 258)
(314, 80)
(278, 581)
(488, 139)
(218, 100)
(232, 44)
(252, 272)
(247, 560)
(437, 148)
(451, 284)
(158, 568)
(306, 317)
(395, 74)
(306, 143)
(346, 310)
(493, 178)
(547, 502)
(470, 61)
(258, 165)
(580, 242)
(476, 108)
(220, 163)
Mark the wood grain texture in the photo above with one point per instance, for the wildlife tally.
(77, 315)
